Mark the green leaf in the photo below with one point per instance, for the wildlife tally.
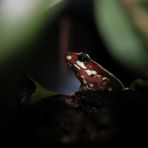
(123, 42)
(40, 92)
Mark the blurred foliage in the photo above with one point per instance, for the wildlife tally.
(119, 34)
(20, 23)
(21, 20)
(138, 13)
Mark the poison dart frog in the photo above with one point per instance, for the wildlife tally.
(92, 75)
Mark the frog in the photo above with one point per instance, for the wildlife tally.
(92, 76)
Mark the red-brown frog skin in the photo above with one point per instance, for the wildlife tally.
(92, 75)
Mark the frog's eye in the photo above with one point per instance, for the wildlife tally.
(83, 57)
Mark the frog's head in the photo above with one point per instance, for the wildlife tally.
(78, 61)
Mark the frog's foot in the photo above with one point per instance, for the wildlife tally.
(126, 88)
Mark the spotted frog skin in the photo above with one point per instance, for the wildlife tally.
(91, 75)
